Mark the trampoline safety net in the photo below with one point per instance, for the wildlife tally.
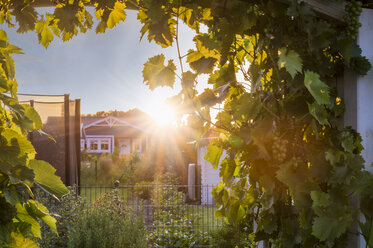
(61, 120)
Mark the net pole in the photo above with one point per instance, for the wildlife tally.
(67, 138)
(31, 134)
(77, 141)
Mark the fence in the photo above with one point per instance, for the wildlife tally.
(168, 214)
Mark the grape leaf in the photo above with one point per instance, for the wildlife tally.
(319, 112)
(290, 60)
(213, 155)
(25, 16)
(40, 211)
(46, 179)
(332, 224)
(24, 216)
(116, 15)
(19, 241)
(31, 114)
(318, 89)
(156, 74)
(320, 199)
(45, 35)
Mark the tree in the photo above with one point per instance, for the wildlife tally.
(288, 163)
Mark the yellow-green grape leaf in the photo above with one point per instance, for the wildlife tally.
(116, 15)
(19, 241)
(319, 112)
(213, 155)
(290, 60)
(46, 179)
(32, 115)
(22, 145)
(24, 216)
(318, 89)
(40, 211)
(45, 35)
(156, 74)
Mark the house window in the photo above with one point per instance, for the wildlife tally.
(82, 144)
(93, 145)
(105, 145)
(137, 145)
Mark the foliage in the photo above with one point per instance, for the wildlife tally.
(289, 57)
(144, 189)
(173, 225)
(108, 223)
(67, 213)
(229, 236)
(19, 170)
(111, 167)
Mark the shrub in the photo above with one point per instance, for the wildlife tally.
(143, 190)
(111, 167)
(173, 225)
(67, 213)
(229, 236)
(108, 223)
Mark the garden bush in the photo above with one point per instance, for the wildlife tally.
(173, 225)
(111, 167)
(108, 223)
(143, 190)
(229, 236)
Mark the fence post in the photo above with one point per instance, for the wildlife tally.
(191, 181)
(96, 170)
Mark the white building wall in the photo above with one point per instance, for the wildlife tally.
(365, 92)
(209, 176)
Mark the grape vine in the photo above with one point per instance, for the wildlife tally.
(353, 10)
(290, 166)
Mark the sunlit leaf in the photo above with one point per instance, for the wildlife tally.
(290, 60)
(116, 15)
(318, 89)
(156, 74)
(45, 34)
(45, 178)
(213, 155)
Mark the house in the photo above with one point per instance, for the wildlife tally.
(129, 134)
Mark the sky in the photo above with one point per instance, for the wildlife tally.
(103, 70)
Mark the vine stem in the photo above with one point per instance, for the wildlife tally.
(177, 40)
(182, 71)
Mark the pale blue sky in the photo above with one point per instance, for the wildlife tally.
(104, 70)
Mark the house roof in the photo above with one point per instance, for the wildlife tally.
(128, 126)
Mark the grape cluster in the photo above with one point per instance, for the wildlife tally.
(279, 149)
(353, 11)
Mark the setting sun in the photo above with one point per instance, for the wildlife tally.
(162, 113)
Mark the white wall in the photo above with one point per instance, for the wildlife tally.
(209, 176)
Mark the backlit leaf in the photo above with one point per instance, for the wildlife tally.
(156, 74)
(45, 178)
(213, 155)
(319, 112)
(45, 34)
(290, 60)
(318, 89)
(116, 15)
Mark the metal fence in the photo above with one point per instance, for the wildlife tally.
(171, 217)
